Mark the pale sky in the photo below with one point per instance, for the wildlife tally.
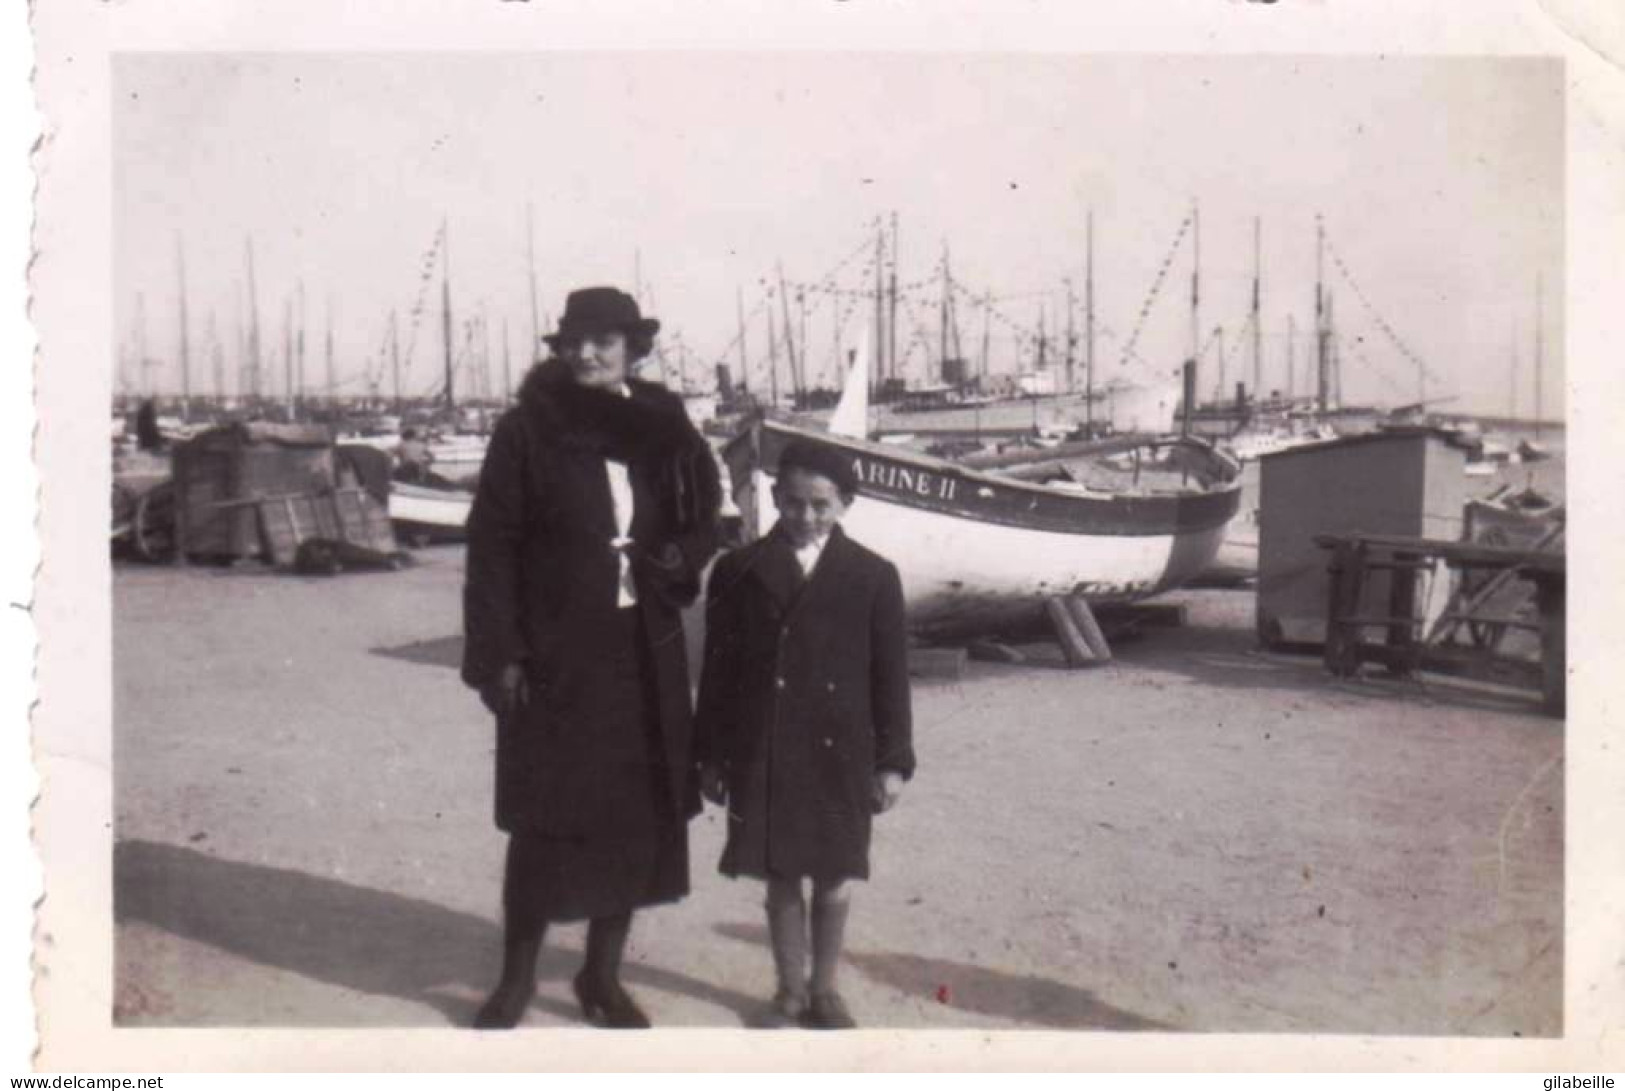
(1440, 181)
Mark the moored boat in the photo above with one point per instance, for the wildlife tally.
(428, 514)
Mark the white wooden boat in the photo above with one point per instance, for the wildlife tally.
(425, 514)
(979, 547)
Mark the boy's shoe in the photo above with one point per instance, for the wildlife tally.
(827, 1011)
(787, 1009)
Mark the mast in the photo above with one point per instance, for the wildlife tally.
(744, 370)
(507, 365)
(1218, 388)
(185, 347)
(772, 360)
(880, 309)
(253, 322)
(1089, 328)
(942, 331)
(1291, 352)
(530, 254)
(142, 364)
(891, 314)
(217, 359)
(789, 339)
(1258, 325)
(299, 389)
(987, 340)
(1540, 346)
(242, 343)
(1071, 338)
(801, 339)
(1196, 284)
(287, 351)
(395, 359)
(445, 312)
(332, 376)
(1512, 381)
(1322, 334)
(1043, 342)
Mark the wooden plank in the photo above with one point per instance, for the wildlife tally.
(1458, 553)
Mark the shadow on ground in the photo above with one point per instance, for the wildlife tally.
(1229, 657)
(443, 651)
(354, 937)
(1023, 998)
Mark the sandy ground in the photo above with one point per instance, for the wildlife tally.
(1195, 837)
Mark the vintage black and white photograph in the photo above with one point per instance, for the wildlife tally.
(814, 540)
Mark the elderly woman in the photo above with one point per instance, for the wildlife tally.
(595, 515)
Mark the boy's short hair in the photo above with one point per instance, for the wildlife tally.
(821, 461)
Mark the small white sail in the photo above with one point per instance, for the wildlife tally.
(851, 417)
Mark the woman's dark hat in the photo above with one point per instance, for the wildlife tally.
(589, 312)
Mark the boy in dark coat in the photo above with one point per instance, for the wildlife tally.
(803, 723)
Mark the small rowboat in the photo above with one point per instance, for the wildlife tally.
(429, 514)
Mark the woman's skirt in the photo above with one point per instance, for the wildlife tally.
(644, 860)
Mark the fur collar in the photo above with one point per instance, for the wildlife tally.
(651, 424)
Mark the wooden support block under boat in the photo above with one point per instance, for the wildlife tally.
(1089, 628)
(992, 651)
(1076, 648)
(946, 663)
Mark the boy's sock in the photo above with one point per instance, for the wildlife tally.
(829, 910)
(787, 930)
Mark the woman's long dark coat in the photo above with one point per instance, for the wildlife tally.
(541, 590)
(804, 697)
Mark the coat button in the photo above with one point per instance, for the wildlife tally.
(830, 686)
(828, 741)
(779, 682)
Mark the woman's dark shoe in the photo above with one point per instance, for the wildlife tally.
(827, 1011)
(609, 1004)
(504, 1008)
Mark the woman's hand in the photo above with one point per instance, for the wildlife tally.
(508, 692)
(713, 785)
(668, 559)
(888, 786)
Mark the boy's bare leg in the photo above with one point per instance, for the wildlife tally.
(787, 929)
(830, 904)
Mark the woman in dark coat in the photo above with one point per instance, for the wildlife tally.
(804, 724)
(595, 514)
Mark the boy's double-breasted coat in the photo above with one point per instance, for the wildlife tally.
(804, 697)
(541, 590)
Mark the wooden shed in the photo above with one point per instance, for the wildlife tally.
(1408, 482)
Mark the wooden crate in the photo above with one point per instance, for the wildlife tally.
(338, 515)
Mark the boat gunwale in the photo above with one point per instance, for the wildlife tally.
(1109, 515)
(942, 465)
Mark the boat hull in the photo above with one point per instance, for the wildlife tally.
(424, 515)
(975, 550)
